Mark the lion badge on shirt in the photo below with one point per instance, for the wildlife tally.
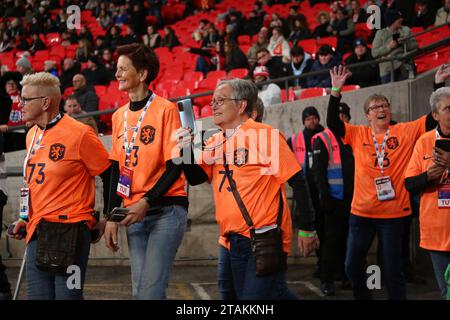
(57, 152)
(147, 134)
(240, 157)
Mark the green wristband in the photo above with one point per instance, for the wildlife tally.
(336, 89)
(304, 234)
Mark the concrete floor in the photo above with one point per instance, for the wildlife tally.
(199, 283)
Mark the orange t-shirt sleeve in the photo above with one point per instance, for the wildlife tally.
(287, 164)
(414, 129)
(116, 146)
(93, 153)
(171, 123)
(350, 132)
(415, 166)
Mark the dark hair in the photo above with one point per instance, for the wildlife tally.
(142, 58)
(325, 50)
(73, 97)
(263, 50)
(297, 51)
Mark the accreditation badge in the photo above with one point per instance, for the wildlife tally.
(24, 202)
(383, 186)
(443, 192)
(124, 185)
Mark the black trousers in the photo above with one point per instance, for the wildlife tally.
(4, 283)
(334, 240)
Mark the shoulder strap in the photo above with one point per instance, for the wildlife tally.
(241, 204)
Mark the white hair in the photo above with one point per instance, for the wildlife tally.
(437, 96)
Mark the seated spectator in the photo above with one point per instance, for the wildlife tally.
(274, 65)
(388, 42)
(344, 29)
(65, 38)
(424, 16)
(36, 44)
(234, 57)
(200, 32)
(73, 108)
(234, 25)
(99, 46)
(86, 34)
(327, 59)
(85, 94)
(364, 76)
(152, 39)
(131, 36)
(253, 24)
(83, 50)
(50, 67)
(270, 94)
(211, 36)
(17, 28)
(138, 21)
(278, 46)
(299, 30)
(70, 68)
(277, 22)
(104, 19)
(96, 73)
(210, 59)
(122, 17)
(443, 14)
(23, 65)
(170, 39)
(261, 42)
(113, 39)
(293, 14)
(22, 43)
(7, 43)
(357, 14)
(107, 61)
(322, 30)
(301, 63)
(35, 26)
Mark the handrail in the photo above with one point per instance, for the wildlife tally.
(403, 56)
(413, 35)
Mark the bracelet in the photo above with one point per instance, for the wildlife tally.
(305, 234)
(336, 89)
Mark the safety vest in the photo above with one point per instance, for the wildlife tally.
(299, 148)
(334, 170)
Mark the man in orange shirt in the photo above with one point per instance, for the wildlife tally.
(381, 203)
(427, 174)
(63, 158)
(259, 162)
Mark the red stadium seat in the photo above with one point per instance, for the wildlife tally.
(41, 55)
(179, 91)
(100, 90)
(238, 73)
(331, 41)
(209, 83)
(217, 74)
(290, 95)
(312, 93)
(350, 88)
(201, 101)
(244, 39)
(67, 92)
(309, 45)
(53, 39)
(193, 76)
(58, 50)
(206, 111)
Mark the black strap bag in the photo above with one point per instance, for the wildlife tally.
(267, 243)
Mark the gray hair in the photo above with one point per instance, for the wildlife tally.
(243, 89)
(374, 97)
(437, 96)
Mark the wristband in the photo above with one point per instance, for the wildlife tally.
(336, 89)
(304, 234)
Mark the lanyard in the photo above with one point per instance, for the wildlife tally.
(380, 154)
(33, 147)
(129, 147)
(438, 136)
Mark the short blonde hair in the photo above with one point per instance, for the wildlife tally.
(47, 83)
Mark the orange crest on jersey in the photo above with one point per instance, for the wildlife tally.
(392, 143)
(57, 151)
(147, 134)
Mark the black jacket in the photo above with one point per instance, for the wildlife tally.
(363, 76)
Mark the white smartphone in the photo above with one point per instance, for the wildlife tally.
(187, 114)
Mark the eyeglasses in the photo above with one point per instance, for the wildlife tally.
(220, 101)
(378, 108)
(25, 101)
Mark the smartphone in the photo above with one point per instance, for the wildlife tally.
(187, 114)
(118, 214)
(396, 36)
(443, 144)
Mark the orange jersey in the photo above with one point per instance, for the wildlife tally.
(434, 221)
(260, 164)
(152, 148)
(60, 174)
(399, 147)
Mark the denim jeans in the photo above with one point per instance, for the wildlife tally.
(440, 260)
(225, 276)
(153, 244)
(247, 285)
(397, 77)
(43, 285)
(361, 233)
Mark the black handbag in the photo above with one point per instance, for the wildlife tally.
(57, 245)
(267, 243)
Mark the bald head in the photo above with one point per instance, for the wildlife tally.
(79, 81)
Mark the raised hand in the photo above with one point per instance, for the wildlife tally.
(338, 77)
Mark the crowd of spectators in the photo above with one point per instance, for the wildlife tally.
(276, 41)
